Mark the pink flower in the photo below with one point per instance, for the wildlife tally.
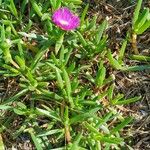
(65, 19)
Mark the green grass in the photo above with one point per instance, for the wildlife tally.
(60, 101)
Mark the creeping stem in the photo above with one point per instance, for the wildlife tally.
(134, 43)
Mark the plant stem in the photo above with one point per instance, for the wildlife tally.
(14, 64)
(67, 134)
(134, 43)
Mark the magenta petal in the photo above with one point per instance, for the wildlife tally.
(65, 19)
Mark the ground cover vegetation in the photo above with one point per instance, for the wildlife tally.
(59, 75)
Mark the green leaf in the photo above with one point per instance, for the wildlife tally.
(21, 62)
(51, 114)
(61, 56)
(23, 6)
(136, 68)
(128, 101)
(52, 66)
(113, 61)
(117, 98)
(19, 111)
(104, 119)
(5, 107)
(100, 76)
(137, 11)
(98, 145)
(55, 60)
(60, 148)
(107, 139)
(67, 82)
(21, 129)
(75, 144)
(71, 68)
(68, 86)
(92, 129)
(59, 43)
(38, 57)
(102, 45)
(36, 8)
(139, 57)
(88, 103)
(50, 132)
(67, 56)
(83, 116)
(121, 125)
(100, 31)
(58, 4)
(13, 8)
(5, 46)
(92, 24)
(36, 141)
(21, 53)
(81, 38)
(53, 3)
(51, 95)
(2, 34)
(10, 68)
(141, 20)
(21, 105)
(78, 2)
(143, 28)
(45, 16)
(15, 97)
(89, 77)
(110, 91)
(31, 78)
(122, 51)
(84, 13)
(59, 79)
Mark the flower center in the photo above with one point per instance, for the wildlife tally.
(63, 22)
